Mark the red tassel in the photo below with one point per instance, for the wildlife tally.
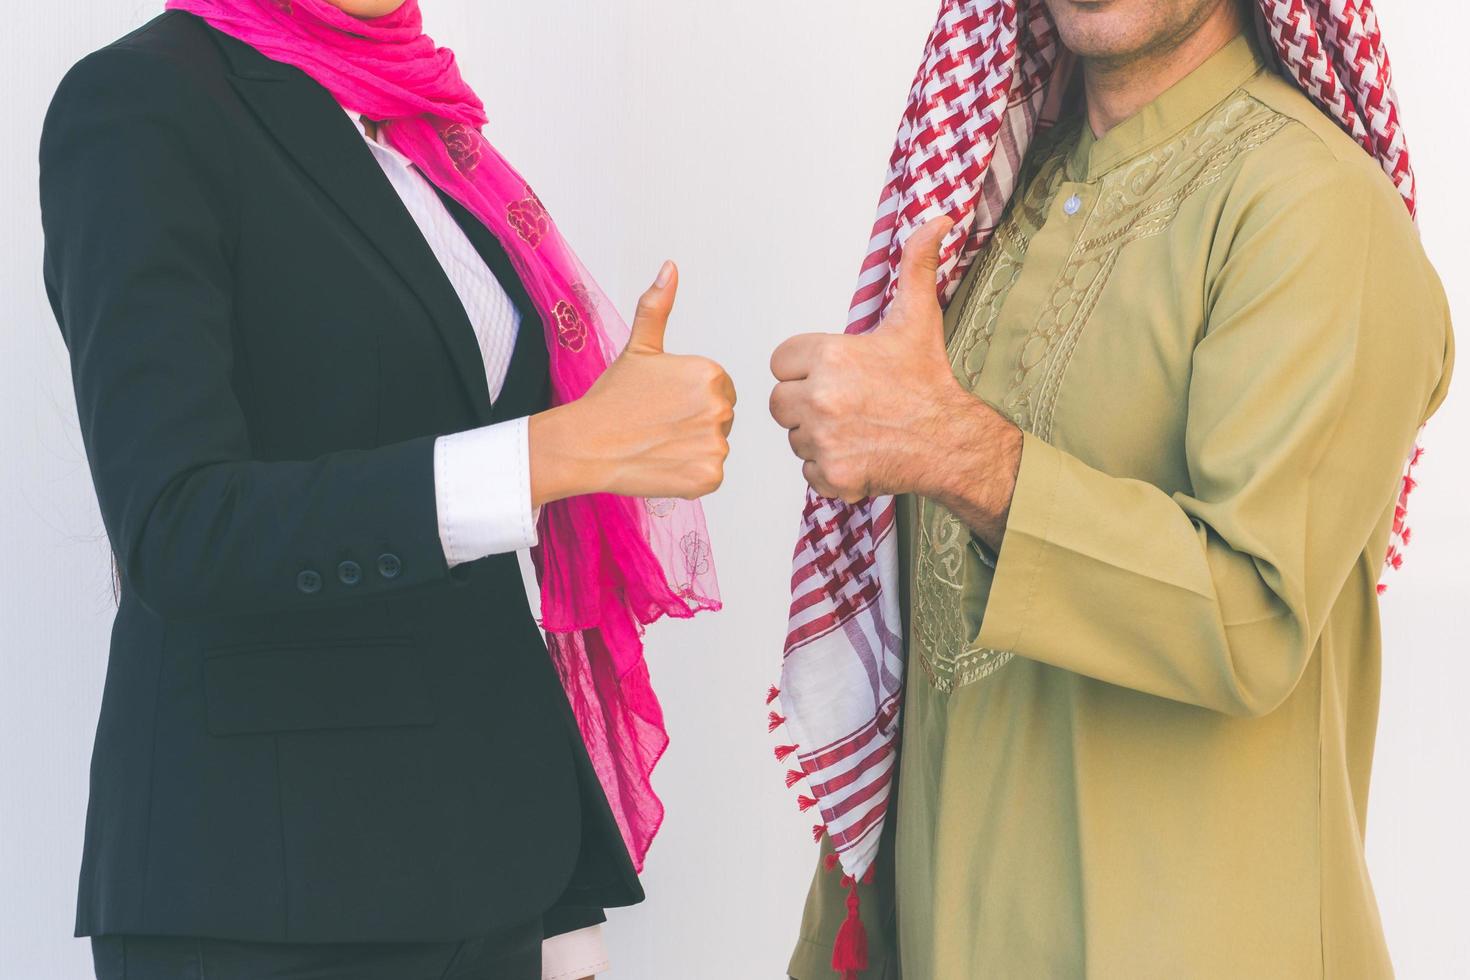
(805, 803)
(772, 694)
(850, 951)
(774, 721)
(782, 751)
(830, 861)
(868, 876)
(818, 832)
(793, 777)
(1407, 535)
(1382, 588)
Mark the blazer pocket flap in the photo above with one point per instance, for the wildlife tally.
(299, 688)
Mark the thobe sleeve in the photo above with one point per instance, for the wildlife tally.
(1326, 345)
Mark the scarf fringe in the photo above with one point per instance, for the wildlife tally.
(850, 951)
(850, 948)
(1402, 533)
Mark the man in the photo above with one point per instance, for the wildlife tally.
(1150, 460)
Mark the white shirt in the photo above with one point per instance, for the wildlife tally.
(482, 477)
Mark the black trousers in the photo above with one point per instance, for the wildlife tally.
(509, 956)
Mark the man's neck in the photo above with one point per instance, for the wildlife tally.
(1117, 89)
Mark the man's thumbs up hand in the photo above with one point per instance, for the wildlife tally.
(868, 415)
(916, 296)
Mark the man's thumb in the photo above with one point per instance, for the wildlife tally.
(652, 316)
(918, 269)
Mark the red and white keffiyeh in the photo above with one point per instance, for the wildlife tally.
(993, 74)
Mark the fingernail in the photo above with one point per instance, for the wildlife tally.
(665, 273)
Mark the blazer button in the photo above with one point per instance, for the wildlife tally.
(389, 565)
(349, 573)
(309, 581)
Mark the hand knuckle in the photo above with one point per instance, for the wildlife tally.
(826, 399)
(831, 356)
(840, 475)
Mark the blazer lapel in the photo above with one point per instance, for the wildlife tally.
(312, 128)
(527, 386)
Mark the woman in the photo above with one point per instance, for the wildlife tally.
(334, 365)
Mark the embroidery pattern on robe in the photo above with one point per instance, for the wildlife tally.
(1134, 201)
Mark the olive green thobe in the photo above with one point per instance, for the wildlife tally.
(1137, 742)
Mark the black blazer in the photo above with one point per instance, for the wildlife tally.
(312, 730)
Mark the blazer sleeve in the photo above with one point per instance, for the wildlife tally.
(139, 215)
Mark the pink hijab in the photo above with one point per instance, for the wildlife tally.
(607, 565)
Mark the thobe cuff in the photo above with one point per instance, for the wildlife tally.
(1020, 567)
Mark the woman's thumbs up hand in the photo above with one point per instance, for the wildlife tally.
(654, 425)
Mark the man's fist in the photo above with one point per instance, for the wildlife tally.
(863, 411)
(654, 425)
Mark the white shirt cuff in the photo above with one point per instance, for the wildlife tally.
(574, 955)
(482, 487)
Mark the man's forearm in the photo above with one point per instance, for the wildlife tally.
(972, 466)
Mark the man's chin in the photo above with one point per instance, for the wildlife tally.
(1105, 29)
(1102, 42)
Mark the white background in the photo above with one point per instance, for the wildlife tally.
(746, 140)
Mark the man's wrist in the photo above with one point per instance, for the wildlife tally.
(973, 467)
(947, 456)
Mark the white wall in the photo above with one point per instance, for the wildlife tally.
(747, 141)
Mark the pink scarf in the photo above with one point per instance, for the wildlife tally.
(607, 565)
(993, 75)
